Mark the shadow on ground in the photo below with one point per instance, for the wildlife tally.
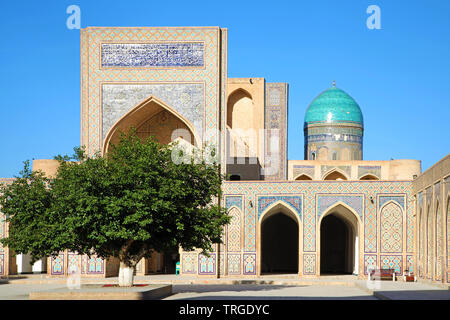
(180, 288)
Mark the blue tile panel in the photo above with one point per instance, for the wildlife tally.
(178, 54)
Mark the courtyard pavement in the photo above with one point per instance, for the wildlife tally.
(277, 287)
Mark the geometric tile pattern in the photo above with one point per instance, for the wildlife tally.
(370, 261)
(57, 264)
(73, 263)
(234, 264)
(439, 241)
(309, 264)
(207, 265)
(2, 230)
(355, 194)
(391, 228)
(174, 70)
(353, 201)
(189, 263)
(95, 265)
(384, 199)
(430, 241)
(391, 262)
(249, 260)
(276, 131)
(370, 228)
(266, 201)
(233, 241)
(410, 263)
(233, 201)
(448, 240)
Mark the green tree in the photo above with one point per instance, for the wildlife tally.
(130, 202)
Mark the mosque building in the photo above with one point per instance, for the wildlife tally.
(330, 213)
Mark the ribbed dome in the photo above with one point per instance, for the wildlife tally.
(333, 105)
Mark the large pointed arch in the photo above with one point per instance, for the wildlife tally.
(276, 209)
(354, 241)
(141, 113)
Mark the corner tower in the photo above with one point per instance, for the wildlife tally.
(333, 127)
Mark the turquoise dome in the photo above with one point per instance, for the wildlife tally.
(333, 105)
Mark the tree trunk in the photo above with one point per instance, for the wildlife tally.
(126, 275)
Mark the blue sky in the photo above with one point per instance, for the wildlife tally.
(399, 75)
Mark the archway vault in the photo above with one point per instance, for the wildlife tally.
(353, 222)
(142, 113)
(278, 208)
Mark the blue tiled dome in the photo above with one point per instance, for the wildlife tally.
(333, 105)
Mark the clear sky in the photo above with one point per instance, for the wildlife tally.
(399, 75)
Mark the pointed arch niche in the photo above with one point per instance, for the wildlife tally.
(303, 177)
(153, 117)
(279, 230)
(339, 240)
(242, 138)
(335, 175)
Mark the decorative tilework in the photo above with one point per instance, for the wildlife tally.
(275, 164)
(233, 201)
(293, 201)
(353, 201)
(309, 264)
(185, 98)
(410, 263)
(391, 228)
(234, 264)
(207, 265)
(439, 241)
(174, 54)
(370, 228)
(309, 191)
(95, 265)
(430, 241)
(250, 227)
(448, 239)
(2, 230)
(234, 231)
(249, 261)
(189, 263)
(370, 261)
(221, 264)
(73, 263)
(57, 264)
(392, 262)
(93, 76)
(384, 199)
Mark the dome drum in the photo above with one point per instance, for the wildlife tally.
(333, 127)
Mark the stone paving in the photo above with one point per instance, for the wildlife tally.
(265, 287)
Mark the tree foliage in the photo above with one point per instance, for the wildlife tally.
(125, 204)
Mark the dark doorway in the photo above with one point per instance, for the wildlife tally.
(279, 244)
(334, 245)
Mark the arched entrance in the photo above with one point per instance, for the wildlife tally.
(339, 241)
(152, 117)
(279, 236)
